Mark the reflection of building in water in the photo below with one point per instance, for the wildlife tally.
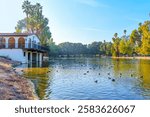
(40, 79)
(22, 47)
(30, 65)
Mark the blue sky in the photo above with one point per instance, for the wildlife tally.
(81, 20)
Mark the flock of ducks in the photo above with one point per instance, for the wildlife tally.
(96, 81)
(108, 74)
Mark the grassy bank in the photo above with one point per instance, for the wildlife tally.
(12, 85)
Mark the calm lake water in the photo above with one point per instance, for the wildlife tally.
(90, 79)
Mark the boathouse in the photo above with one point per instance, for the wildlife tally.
(22, 47)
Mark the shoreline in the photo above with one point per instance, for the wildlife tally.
(143, 58)
(12, 85)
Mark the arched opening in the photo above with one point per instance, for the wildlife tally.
(21, 43)
(11, 42)
(2, 42)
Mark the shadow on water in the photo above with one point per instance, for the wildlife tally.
(90, 78)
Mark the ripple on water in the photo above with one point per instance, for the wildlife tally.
(66, 79)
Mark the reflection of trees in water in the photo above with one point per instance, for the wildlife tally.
(40, 78)
(138, 68)
(144, 70)
(43, 79)
(123, 66)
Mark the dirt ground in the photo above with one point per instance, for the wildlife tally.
(12, 85)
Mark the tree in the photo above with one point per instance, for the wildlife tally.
(135, 38)
(122, 47)
(105, 48)
(115, 35)
(68, 48)
(21, 26)
(125, 32)
(115, 46)
(145, 32)
(108, 48)
(54, 49)
(35, 22)
(26, 9)
(94, 48)
(125, 47)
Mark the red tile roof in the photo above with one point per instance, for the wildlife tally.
(16, 34)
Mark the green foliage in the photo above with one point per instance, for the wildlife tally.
(35, 22)
(68, 48)
(115, 47)
(145, 32)
(138, 43)
(54, 50)
(125, 47)
(135, 38)
(105, 48)
(94, 48)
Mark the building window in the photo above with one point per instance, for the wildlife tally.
(24, 53)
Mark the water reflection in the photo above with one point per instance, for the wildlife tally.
(144, 72)
(38, 74)
(90, 78)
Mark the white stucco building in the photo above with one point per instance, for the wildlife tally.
(22, 47)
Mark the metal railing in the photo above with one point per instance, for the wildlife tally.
(23, 46)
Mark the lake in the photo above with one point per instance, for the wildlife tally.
(90, 79)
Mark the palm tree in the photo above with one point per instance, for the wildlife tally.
(125, 31)
(105, 46)
(26, 9)
(140, 24)
(116, 35)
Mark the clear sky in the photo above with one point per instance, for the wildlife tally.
(81, 20)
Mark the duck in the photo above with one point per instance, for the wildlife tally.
(141, 76)
(113, 80)
(84, 74)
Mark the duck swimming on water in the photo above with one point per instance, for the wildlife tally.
(113, 80)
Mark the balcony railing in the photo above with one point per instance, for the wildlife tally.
(29, 46)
